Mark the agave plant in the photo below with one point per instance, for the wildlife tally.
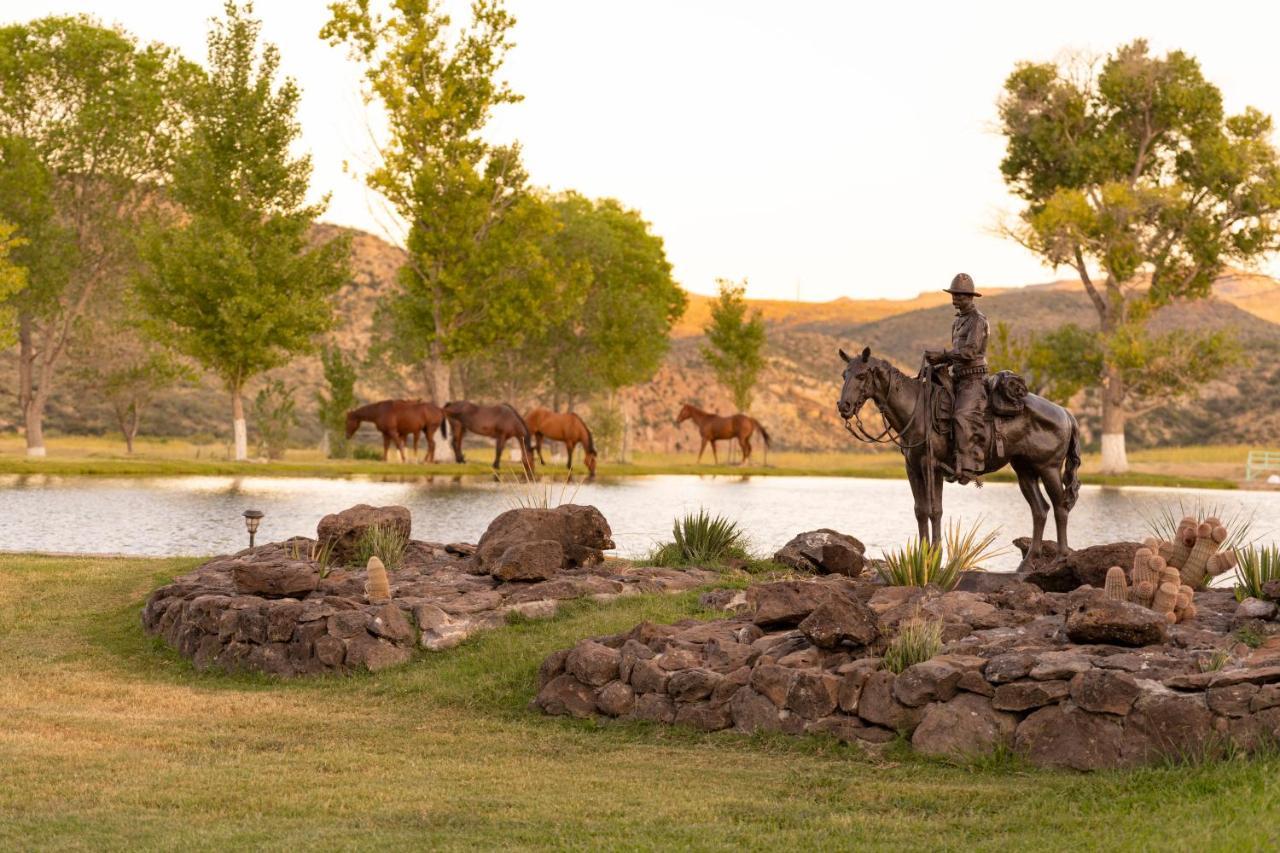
(917, 640)
(967, 547)
(1163, 520)
(1256, 565)
(387, 543)
(701, 539)
(918, 563)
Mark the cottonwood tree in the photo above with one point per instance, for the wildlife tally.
(1133, 169)
(332, 406)
(235, 282)
(87, 119)
(453, 190)
(13, 278)
(735, 342)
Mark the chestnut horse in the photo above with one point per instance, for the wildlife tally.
(396, 419)
(713, 428)
(562, 426)
(500, 422)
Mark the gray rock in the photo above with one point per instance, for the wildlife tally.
(823, 552)
(1254, 608)
(1070, 737)
(282, 577)
(581, 531)
(964, 727)
(341, 531)
(1100, 620)
(1025, 695)
(566, 695)
(537, 560)
(1104, 691)
(929, 681)
(840, 620)
(593, 663)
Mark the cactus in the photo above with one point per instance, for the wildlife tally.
(1165, 599)
(1165, 551)
(1141, 565)
(1188, 613)
(1208, 539)
(377, 589)
(1185, 596)
(1220, 563)
(1182, 545)
(1143, 592)
(1169, 574)
(1115, 587)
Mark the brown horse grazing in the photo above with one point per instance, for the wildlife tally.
(397, 419)
(713, 428)
(499, 422)
(566, 427)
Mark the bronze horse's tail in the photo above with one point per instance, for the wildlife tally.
(591, 442)
(1070, 477)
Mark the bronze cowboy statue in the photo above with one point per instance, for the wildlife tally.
(968, 360)
(996, 423)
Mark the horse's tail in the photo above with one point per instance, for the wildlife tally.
(528, 433)
(763, 433)
(1070, 475)
(591, 442)
(444, 424)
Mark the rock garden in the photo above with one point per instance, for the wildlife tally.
(1095, 659)
(363, 594)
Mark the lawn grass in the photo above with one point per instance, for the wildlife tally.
(111, 741)
(1211, 466)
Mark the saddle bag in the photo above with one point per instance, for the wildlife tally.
(1007, 393)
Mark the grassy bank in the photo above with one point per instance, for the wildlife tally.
(111, 742)
(1214, 467)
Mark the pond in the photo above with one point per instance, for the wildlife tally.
(201, 515)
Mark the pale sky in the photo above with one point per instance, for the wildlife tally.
(822, 149)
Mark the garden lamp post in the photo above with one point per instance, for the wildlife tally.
(252, 518)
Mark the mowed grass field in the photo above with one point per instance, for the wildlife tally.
(110, 741)
(1203, 466)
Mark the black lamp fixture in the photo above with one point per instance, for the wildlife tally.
(252, 518)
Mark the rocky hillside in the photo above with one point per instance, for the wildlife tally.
(797, 393)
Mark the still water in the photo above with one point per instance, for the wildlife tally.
(201, 515)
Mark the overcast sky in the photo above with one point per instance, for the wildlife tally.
(819, 149)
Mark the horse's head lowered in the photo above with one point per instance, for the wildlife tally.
(862, 377)
(686, 412)
(353, 423)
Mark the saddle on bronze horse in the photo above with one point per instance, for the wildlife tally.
(1006, 398)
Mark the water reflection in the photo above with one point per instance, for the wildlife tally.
(202, 515)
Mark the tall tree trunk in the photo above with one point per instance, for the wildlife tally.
(135, 419)
(30, 399)
(1114, 460)
(439, 373)
(238, 425)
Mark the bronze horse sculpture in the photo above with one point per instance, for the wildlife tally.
(398, 419)
(713, 428)
(562, 426)
(1042, 444)
(499, 422)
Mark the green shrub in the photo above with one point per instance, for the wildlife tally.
(917, 640)
(1256, 566)
(365, 452)
(701, 539)
(964, 548)
(386, 543)
(275, 414)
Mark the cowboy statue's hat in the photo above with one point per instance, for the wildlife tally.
(962, 283)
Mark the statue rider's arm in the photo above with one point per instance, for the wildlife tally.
(970, 344)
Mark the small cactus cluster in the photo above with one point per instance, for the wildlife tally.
(1156, 585)
(1195, 551)
(377, 588)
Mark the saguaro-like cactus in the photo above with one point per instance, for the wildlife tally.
(1166, 598)
(1209, 537)
(377, 589)
(1115, 587)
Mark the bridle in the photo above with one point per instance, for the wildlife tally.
(888, 435)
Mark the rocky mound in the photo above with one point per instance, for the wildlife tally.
(276, 609)
(1065, 679)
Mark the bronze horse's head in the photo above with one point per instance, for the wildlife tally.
(861, 378)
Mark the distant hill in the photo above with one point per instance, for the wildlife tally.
(797, 392)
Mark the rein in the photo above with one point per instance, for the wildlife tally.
(886, 436)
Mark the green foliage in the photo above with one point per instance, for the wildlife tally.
(1216, 661)
(366, 453)
(386, 543)
(275, 414)
(234, 282)
(332, 406)
(1163, 520)
(13, 278)
(735, 343)
(87, 125)
(1057, 365)
(607, 427)
(1257, 565)
(967, 548)
(919, 563)
(917, 640)
(701, 539)
(458, 194)
(1250, 636)
(1136, 169)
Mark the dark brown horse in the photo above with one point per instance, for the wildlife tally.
(713, 428)
(1042, 444)
(500, 422)
(566, 427)
(399, 419)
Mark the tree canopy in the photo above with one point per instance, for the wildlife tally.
(1135, 170)
(735, 343)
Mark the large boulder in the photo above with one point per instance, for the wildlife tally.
(840, 620)
(1067, 736)
(275, 578)
(1098, 619)
(784, 603)
(1065, 572)
(341, 531)
(581, 532)
(823, 552)
(964, 727)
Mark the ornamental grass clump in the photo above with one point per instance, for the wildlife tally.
(1255, 567)
(701, 539)
(387, 543)
(917, 640)
(921, 564)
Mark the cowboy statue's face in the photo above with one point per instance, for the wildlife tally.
(853, 394)
(962, 302)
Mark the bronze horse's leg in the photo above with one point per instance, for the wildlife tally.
(935, 516)
(1051, 477)
(1029, 482)
(916, 477)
